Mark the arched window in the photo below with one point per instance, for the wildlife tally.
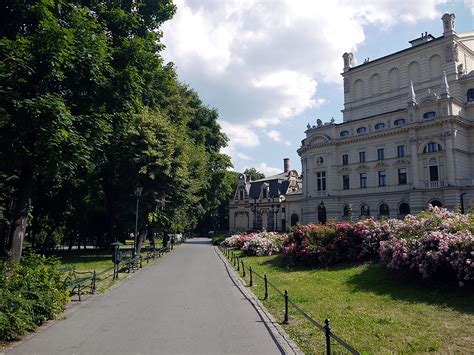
(364, 211)
(432, 147)
(384, 210)
(470, 95)
(344, 134)
(375, 84)
(428, 115)
(399, 122)
(436, 203)
(358, 89)
(435, 66)
(404, 209)
(294, 219)
(346, 211)
(394, 78)
(380, 125)
(414, 72)
(361, 130)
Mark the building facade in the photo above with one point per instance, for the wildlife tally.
(407, 136)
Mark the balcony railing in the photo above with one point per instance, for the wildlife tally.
(434, 184)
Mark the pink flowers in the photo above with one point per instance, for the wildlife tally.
(258, 244)
(434, 242)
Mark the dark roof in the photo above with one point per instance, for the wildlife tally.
(277, 186)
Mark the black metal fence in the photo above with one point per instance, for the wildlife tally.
(82, 282)
(239, 264)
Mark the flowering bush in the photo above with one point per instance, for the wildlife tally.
(434, 242)
(259, 244)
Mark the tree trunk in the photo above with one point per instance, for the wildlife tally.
(20, 217)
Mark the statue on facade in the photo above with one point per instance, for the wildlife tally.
(322, 213)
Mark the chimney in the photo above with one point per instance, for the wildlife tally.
(286, 165)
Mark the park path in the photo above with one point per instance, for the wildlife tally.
(186, 303)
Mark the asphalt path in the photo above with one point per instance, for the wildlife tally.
(185, 303)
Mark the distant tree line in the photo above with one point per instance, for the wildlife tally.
(88, 112)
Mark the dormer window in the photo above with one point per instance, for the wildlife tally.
(429, 115)
(361, 130)
(344, 134)
(470, 95)
(380, 125)
(264, 193)
(399, 122)
(241, 194)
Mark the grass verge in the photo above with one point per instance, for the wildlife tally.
(374, 309)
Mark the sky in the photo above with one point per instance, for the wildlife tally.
(270, 67)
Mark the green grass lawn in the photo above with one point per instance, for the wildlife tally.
(373, 309)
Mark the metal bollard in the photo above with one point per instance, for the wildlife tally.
(251, 276)
(243, 269)
(79, 291)
(94, 279)
(327, 332)
(141, 266)
(266, 287)
(233, 257)
(238, 264)
(286, 307)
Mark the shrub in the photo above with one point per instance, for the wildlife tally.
(30, 293)
(259, 244)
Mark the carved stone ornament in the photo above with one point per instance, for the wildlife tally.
(451, 52)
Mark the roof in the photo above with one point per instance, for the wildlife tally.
(277, 187)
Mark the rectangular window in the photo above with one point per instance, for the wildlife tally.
(345, 159)
(380, 154)
(361, 157)
(345, 182)
(382, 178)
(363, 180)
(321, 180)
(402, 176)
(434, 176)
(401, 151)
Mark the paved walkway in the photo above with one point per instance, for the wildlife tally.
(183, 304)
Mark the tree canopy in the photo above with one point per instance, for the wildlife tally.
(88, 111)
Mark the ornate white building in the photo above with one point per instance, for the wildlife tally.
(407, 136)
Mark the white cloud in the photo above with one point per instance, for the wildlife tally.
(276, 136)
(259, 62)
(267, 170)
(243, 156)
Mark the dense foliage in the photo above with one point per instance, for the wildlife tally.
(89, 111)
(30, 293)
(434, 243)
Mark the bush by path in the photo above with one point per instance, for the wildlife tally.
(30, 293)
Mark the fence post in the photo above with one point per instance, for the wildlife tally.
(327, 332)
(140, 261)
(234, 257)
(251, 276)
(266, 287)
(243, 269)
(238, 264)
(286, 306)
(94, 278)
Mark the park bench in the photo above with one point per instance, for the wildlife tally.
(132, 262)
(81, 281)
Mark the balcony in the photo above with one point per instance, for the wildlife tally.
(435, 184)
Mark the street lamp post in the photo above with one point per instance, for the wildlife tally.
(138, 192)
(253, 207)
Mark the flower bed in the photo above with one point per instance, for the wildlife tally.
(434, 242)
(257, 244)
